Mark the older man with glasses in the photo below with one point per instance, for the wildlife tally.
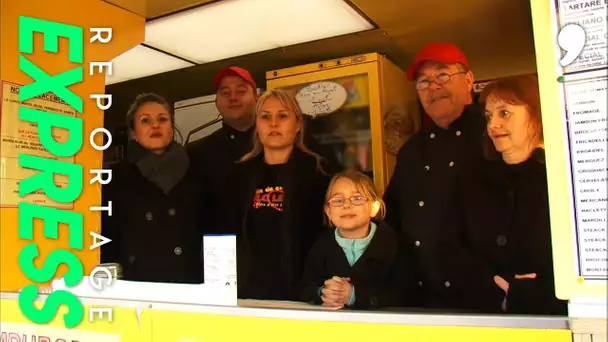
(417, 195)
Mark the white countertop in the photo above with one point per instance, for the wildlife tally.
(302, 311)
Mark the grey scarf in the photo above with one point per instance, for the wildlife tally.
(165, 170)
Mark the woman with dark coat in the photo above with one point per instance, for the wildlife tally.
(278, 198)
(155, 224)
(501, 211)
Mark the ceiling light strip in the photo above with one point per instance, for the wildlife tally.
(141, 61)
(230, 28)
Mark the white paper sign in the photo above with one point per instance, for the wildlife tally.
(321, 98)
(219, 253)
(591, 16)
(587, 123)
(19, 332)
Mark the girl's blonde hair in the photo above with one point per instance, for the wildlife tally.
(364, 185)
(289, 102)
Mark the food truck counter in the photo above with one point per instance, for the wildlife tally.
(273, 321)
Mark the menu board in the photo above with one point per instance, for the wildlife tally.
(586, 103)
(591, 15)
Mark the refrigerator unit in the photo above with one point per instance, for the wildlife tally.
(357, 110)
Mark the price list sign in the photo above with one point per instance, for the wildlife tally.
(588, 136)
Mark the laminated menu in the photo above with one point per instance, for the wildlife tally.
(586, 103)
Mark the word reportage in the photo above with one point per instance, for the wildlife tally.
(46, 122)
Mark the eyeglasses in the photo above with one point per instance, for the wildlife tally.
(354, 200)
(442, 78)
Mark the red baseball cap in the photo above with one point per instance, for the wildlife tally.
(445, 53)
(233, 71)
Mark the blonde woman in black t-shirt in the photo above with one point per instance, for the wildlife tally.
(276, 208)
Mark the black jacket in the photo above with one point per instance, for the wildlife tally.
(302, 218)
(500, 226)
(417, 195)
(381, 276)
(155, 237)
(215, 157)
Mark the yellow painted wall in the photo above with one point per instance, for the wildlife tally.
(567, 284)
(128, 31)
(166, 323)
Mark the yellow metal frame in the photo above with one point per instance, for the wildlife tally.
(567, 283)
(364, 64)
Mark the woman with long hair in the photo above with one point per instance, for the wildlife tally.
(277, 208)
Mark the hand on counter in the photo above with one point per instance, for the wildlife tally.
(337, 292)
(504, 285)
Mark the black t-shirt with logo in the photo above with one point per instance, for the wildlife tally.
(264, 223)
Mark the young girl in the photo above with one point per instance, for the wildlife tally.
(359, 264)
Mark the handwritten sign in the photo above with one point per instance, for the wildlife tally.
(321, 98)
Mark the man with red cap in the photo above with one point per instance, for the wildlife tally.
(216, 154)
(417, 195)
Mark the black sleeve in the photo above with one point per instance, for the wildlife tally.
(397, 290)
(207, 206)
(319, 203)
(203, 201)
(407, 276)
(391, 194)
(537, 296)
(228, 212)
(532, 297)
(471, 277)
(314, 213)
(110, 225)
(313, 276)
